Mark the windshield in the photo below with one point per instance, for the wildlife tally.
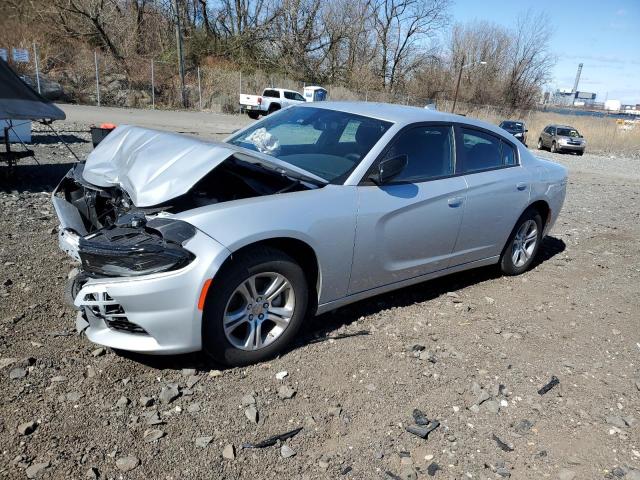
(515, 126)
(567, 132)
(327, 143)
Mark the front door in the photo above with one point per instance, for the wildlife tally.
(408, 227)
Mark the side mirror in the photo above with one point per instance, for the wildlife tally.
(526, 130)
(389, 168)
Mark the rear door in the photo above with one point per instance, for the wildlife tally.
(408, 227)
(497, 194)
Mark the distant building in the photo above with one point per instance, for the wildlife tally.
(567, 97)
(612, 105)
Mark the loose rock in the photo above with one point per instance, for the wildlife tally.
(286, 451)
(252, 414)
(229, 452)
(285, 392)
(128, 463)
(168, 394)
(27, 428)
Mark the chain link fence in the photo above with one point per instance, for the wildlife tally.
(98, 79)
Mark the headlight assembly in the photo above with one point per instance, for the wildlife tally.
(125, 250)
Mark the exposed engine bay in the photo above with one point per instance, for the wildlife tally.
(117, 238)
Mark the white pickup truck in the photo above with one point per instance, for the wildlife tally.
(272, 99)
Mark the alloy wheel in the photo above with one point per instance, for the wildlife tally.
(259, 311)
(524, 243)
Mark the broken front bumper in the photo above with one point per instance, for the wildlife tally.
(155, 313)
(152, 313)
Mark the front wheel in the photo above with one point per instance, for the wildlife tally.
(255, 308)
(554, 148)
(539, 144)
(523, 244)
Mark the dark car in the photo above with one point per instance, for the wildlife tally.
(517, 129)
(562, 138)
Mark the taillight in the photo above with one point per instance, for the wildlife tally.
(259, 100)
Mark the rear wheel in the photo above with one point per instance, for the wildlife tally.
(273, 108)
(580, 153)
(253, 114)
(523, 244)
(255, 308)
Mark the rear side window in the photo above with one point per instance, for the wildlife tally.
(429, 151)
(508, 154)
(481, 151)
(271, 93)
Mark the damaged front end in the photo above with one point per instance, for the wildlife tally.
(142, 270)
(110, 237)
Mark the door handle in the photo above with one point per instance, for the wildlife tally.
(521, 186)
(455, 202)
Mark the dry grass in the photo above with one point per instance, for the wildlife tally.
(604, 135)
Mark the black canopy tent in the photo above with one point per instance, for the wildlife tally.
(18, 101)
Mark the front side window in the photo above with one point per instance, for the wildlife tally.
(429, 151)
(481, 151)
(327, 143)
(289, 95)
(297, 96)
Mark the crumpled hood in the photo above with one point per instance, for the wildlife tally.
(152, 166)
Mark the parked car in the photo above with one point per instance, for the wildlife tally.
(186, 244)
(561, 138)
(271, 100)
(517, 129)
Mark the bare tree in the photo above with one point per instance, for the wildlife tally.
(530, 60)
(403, 29)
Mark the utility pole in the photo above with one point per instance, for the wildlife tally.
(455, 96)
(180, 55)
(35, 57)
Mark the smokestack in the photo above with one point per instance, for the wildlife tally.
(575, 85)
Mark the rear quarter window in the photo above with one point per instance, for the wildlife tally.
(271, 93)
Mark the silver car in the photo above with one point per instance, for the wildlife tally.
(561, 138)
(185, 244)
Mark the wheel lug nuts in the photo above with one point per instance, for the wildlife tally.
(261, 316)
(259, 299)
(250, 317)
(265, 305)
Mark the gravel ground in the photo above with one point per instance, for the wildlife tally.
(470, 351)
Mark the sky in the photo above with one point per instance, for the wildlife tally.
(604, 35)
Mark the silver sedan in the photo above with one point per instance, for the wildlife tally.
(186, 245)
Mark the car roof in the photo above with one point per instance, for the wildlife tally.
(561, 126)
(400, 114)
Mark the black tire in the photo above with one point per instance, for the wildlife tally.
(253, 114)
(540, 144)
(264, 259)
(554, 148)
(579, 153)
(273, 108)
(507, 264)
